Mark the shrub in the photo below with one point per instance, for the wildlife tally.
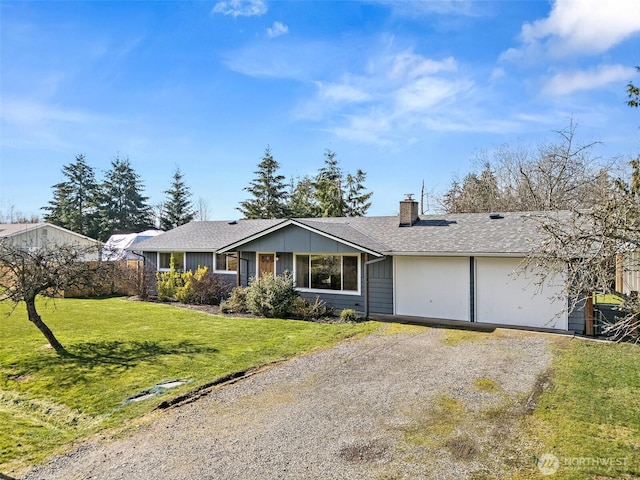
(210, 290)
(237, 301)
(348, 315)
(301, 308)
(271, 296)
(168, 282)
(183, 293)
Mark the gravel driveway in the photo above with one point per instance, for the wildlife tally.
(390, 405)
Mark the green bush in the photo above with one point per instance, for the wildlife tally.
(302, 308)
(348, 315)
(237, 301)
(271, 297)
(169, 282)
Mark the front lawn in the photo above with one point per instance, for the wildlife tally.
(589, 418)
(117, 349)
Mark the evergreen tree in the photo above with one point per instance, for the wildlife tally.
(328, 187)
(268, 191)
(337, 196)
(124, 207)
(178, 208)
(357, 200)
(302, 199)
(75, 200)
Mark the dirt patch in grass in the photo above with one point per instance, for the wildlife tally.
(363, 452)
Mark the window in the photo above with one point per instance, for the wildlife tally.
(164, 260)
(327, 272)
(226, 262)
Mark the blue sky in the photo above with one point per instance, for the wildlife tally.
(405, 90)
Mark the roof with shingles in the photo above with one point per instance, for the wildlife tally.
(515, 233)
(206, 235)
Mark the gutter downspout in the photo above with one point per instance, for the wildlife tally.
(366, 282)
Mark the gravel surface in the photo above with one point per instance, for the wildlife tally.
(348, 412)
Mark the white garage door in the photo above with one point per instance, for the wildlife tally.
(436, 287)
(506, 298)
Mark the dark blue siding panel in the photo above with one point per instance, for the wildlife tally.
(576, 319)
(284, 263)
(151, 259)
(381, 286)
(199, 259)
(296, 239)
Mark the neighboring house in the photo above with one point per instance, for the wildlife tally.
(37, 235)
(455, 266)
(628, 273)
(117, 247)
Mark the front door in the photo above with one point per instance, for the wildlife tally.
(266, 264)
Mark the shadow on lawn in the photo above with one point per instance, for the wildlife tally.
(128, 354)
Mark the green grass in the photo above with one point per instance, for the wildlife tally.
(608, 298)
(118, 348)
(590, 417)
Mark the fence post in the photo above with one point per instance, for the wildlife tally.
(588, 316)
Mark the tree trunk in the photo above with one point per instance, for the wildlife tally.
(46, 331)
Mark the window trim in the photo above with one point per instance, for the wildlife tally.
(184, 261)
(327, 290)
(227, 255)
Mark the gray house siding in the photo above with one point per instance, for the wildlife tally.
(247, 267)
(381, 286)
(296, 239)
(199, 259)
(151, 259)
(284, 262)
(576, 318)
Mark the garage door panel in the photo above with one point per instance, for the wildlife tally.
(436, 287)
(507, 297)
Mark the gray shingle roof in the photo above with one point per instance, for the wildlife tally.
(444, 234)
(205, 236)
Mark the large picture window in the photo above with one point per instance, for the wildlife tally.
(327, 272)
(226, 262)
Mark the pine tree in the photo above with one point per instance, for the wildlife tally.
(302, 202)
(328, 187)
(178, 208)
(75, 200)
(357, 201)
(124, 207)
(268, 191)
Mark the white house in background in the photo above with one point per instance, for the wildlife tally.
(628, 273)
(36, 235)
(117, 247)
(463, 267)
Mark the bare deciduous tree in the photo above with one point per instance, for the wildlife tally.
(26, 272)
(558, 175)
(584, 245)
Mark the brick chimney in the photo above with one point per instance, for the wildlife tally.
(408, 211)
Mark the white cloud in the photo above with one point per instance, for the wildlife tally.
(426, 93)
(421, 8)
(277, 29)
(341, 93)
(241, 8)
(497, 73)
(568, 82)
(584, 26)
(396, 92)
(409, 65)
